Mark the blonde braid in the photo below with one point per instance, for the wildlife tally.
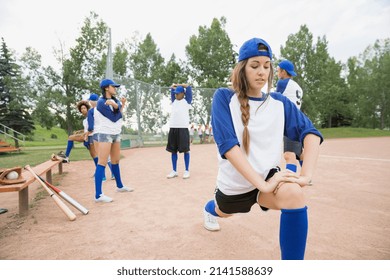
(245, 115)
(240, 86)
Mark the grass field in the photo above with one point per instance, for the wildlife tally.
(45, 142)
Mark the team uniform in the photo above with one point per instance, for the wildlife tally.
(267, 118)
(265, 145)
(107, 121)
(292, 91)
(179, 136)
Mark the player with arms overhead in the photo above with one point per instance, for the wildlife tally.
(179, 136)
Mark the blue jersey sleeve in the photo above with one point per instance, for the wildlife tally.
(297, 124)
(90, 119)
(173, 98)
(108, 111)
(221, 120)
(281, 85)
(189, 95)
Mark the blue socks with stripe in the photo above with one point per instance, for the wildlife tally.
(293, 233)
(99, 174)
(174, 161)
(116, 172)
(187, 160)
(69, 147)
(291, 167)
(210, 208)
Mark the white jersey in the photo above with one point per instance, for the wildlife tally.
(106, 120)
(85, 124)
(291, 90)
(271, 117)
(180, 117)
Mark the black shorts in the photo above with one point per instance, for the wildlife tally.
(240, 203)
(178, 140)
(292, 146)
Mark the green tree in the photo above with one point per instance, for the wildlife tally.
(14, 109)
(81, 70)
(210, 61)
(319, 75)
(370, 85)
(146, 65)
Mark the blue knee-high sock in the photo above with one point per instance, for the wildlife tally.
(293, 233)
(292, 167)
(110, 166)
(174, 161)
(99, 173)
(117, 174)
(187, 160)
(95, 160)
(69, 147)
(301, 162)
(210, 208)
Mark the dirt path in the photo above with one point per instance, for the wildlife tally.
(349, 211)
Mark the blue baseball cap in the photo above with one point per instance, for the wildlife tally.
(251, 48)
(288, 66)
(93, 97)
(179, 89)
(107, 82)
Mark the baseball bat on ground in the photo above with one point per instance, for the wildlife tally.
(71, 216)
(69, 199)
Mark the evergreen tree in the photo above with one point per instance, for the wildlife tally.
(14, 109)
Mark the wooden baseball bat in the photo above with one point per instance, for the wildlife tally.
(68, 198)
(71, 216)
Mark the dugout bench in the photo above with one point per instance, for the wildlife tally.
(44, 168)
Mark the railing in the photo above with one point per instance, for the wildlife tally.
(9, 132)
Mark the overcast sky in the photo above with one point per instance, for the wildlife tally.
(349, 25)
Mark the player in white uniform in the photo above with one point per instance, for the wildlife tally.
(178, 137)
(93, 145)
(248, 127)
(107, 131)
(289, 88)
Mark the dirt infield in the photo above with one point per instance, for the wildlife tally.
(349, 212)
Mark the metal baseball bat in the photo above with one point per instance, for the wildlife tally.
(71, 216)
(65, 196)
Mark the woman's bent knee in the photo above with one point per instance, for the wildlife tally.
(290, 196)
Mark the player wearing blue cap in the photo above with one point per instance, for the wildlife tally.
(289, 88)
(93, 145)
(107, 130)
(248, 127)
(179, 136)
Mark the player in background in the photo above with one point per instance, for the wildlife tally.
(107, 128)
(288, 87)
(178, 137)
(80, 136)
(93, 98)
(248, 127)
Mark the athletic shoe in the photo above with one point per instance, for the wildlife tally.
(210, 222)
(124, 189)
(103, 198)
(66, 160)
(186, 174)
(171, 175)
